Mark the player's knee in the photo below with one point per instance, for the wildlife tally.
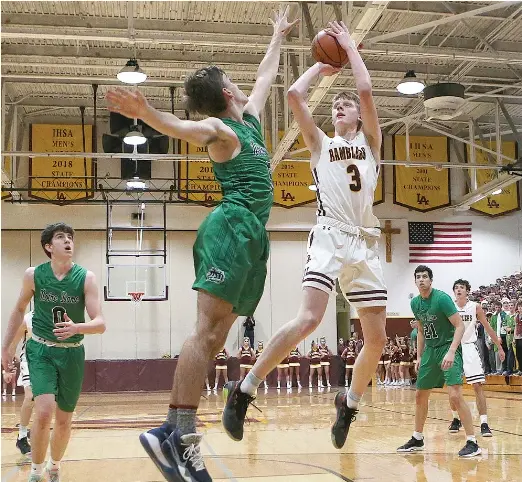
(420, 397)
(43, 414)
(375, 341)
(455, 400)
(308, 322)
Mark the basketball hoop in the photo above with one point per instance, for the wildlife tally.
(136, 296)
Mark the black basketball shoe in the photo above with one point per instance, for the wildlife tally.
(471, 449)
(236, 405)
(412, 445)
(455, 425)
(22, 444)
(485, 430)
(345, 416)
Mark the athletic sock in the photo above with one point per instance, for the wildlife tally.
(186, 420)
(172, 416)
(418, 436)
(22, 432)
(483, 419)
(352, 400)
(250, 384)
(53, 464)
(37, 468)
(472, 438)
(455, 414)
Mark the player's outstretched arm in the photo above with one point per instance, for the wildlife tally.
(370, 119)
(267, 70)
(297, 93)
(16, 319)
(132, 104)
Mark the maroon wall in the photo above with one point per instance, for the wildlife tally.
(154, 375)
(394, 326)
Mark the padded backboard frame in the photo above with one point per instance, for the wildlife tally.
(153, 277)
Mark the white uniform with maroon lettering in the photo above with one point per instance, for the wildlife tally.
(343, 243)
(472, 363)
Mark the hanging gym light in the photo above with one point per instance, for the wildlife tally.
(131, 73)
(410, 85)
(135, 137)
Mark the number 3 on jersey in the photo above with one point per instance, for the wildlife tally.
(355, 184)
(59, 314)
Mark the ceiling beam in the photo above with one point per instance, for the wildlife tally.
(308, 21)
(441, 21)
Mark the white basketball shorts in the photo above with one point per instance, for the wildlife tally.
(23, 378)
(473, 369)
(353, 259)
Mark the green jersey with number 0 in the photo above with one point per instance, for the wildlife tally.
(54, 298)
(433, 313)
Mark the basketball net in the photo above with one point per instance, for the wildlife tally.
(136, 297)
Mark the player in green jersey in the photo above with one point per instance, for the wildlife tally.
(62, 291)
(231, 248)
(439, 355)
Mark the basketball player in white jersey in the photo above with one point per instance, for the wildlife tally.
(470, 312)
(343, 243)
(24, 333)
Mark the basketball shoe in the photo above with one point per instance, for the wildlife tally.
(345, 416)
(236, 405)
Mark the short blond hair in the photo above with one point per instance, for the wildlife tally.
(348, 96)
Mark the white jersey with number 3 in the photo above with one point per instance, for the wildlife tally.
(468, 313)
(346, 176)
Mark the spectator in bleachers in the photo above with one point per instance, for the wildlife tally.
(518, 336)
(499, 322)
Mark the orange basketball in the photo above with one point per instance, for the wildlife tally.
(327, 50)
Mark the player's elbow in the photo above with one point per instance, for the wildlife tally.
(294, 96)
(102, 326)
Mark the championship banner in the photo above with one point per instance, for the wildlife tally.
(60, 173)
(292, 178)
(197, 175)
(508, 200)
(421, 189)
(378, 196)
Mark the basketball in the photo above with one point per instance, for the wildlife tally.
(327, 50)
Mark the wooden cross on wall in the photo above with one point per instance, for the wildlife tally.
(388, 232)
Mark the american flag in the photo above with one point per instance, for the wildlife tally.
(440, 242)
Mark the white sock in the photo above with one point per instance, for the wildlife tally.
(352, 400)
(22, 432)
(37, 468)
(53, 464)
(250, 384)
(418, 436)
(472, 438)
(483, 419)
(455, 414)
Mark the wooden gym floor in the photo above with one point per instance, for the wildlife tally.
(289, 441)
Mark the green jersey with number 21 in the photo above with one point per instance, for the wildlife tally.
(433, 313)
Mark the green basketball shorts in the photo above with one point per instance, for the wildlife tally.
(57, 371)
(431, 375)
(230, 256)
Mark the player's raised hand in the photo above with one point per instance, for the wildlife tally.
(280, 22)
(65, 329)
(327, 69)
(340, 31)
(130, 103)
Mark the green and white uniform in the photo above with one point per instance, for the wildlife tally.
(55, 367)
(231, 248)
(433, 314)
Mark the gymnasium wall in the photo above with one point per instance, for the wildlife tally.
(156, 328)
